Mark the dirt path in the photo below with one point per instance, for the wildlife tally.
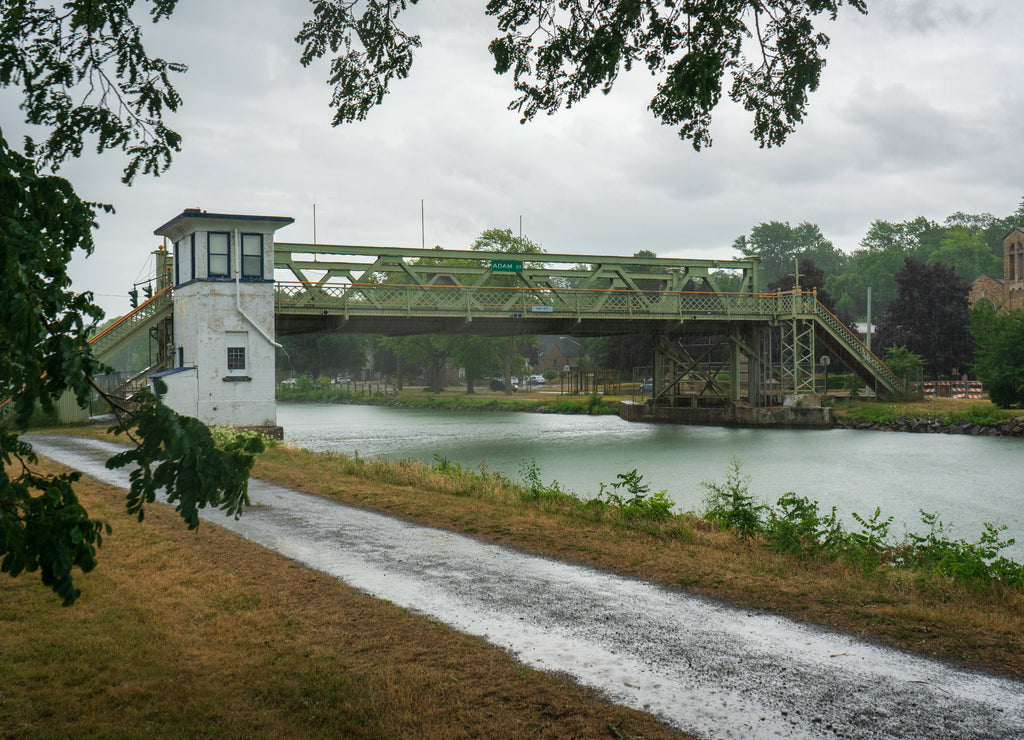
(709, 670)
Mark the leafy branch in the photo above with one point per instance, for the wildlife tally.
(559, 51)
(85, 73)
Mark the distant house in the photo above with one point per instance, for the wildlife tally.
(990, 289)
(556, 352)
(1006, 294)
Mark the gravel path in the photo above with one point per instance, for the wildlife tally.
(707, 669)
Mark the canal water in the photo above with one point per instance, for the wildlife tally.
(965, 480)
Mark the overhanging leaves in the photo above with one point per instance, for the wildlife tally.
(768, 54)
(85, 75)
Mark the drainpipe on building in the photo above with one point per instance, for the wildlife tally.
(238, 293)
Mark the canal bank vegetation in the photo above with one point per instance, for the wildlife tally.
(955, 598)
(551, 403)
(946, 411)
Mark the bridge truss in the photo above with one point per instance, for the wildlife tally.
(674, 301)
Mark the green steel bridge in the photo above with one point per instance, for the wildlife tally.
(692, 310)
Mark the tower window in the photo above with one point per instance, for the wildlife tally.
(252, 256)
(236, 358)
(218, 244)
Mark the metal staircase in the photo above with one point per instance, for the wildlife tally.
(142, 319)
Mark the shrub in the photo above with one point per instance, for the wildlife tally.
(731, 505)
(640, 503)
(796, 527)
(533, 488)
(869, 546)
(976, 563)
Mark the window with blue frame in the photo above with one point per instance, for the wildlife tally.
(218, 254)
(252, 256)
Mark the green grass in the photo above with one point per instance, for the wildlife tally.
(464, 402)
(882, 413)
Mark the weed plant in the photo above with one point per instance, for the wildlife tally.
(225, 437)
(637, 503)
(731, 505)
(796, 527)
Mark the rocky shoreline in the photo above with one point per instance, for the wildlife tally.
(1011, 428)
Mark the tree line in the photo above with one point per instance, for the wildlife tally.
(919, 272)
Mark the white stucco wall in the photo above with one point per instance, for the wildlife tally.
(181, 391)
(204, 313)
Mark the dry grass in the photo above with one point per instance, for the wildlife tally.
(185, 634)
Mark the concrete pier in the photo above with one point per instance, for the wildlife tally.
(731, 415)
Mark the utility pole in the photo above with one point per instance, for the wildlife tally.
(868, 330)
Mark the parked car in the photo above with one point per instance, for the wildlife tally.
(498, 384)
(536, 380)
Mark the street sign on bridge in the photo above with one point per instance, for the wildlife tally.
(506, 266)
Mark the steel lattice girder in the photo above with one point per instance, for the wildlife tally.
(798, 356)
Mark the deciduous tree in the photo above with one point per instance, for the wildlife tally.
(812, 278)
(83, 73)
(503, 240)
(779, 245)
(1000, 353)
(929, 316)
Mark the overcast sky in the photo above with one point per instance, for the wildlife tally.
(920, 112)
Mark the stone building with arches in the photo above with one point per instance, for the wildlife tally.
(1006, 294)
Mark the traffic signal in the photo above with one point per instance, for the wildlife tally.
(133, 294)
(147, 290)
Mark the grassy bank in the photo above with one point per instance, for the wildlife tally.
(947, 410)
(923, 609)
(537, 402)
(261, 646)
(203, 634)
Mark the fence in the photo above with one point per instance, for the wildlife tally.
(951, 389)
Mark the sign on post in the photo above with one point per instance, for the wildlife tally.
(506, 266)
